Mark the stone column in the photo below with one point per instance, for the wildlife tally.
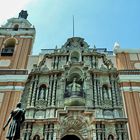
(46, 133)
(95, 89)
(57, 62)
(50, 131)
(28, 134)
(54, 132)
(118, 94)
(46, 96)
(96, 62)
(30, 93)
(99, 93)
(99, 135)
(120, 135)
(23, 133)
(125, 136)
(62, 62)
(34, 91)
(113, 90)
(37, 94)
(53, 92)
(50, 90)
(60, 92)
(89, 91)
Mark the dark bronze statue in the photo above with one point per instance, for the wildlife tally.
(17, 116)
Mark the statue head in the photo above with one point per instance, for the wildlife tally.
(19, 104)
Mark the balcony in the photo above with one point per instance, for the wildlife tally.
(7, 51)
(74, 98)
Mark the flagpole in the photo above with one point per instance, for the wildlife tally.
(73, 26)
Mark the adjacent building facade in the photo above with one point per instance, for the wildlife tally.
(16, 40)
(128, 65)
(74, 92)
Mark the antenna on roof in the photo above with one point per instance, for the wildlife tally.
(73, 26)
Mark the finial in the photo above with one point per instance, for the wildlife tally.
(23, 14)
(116, 45)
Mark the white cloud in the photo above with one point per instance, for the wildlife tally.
(11, 8)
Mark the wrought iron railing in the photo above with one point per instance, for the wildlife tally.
(74, 94)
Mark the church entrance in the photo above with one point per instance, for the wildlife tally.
(70, 137)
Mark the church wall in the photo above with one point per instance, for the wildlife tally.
(132, 101)
(128, 64)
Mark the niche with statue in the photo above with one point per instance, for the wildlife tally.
(41, 97)
(74, 90)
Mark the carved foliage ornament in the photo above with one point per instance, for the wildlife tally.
(75, 124)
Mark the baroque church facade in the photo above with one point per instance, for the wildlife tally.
(76, 91)
(75, 98)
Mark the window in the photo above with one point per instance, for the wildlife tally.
(9, 47)
(16, 27)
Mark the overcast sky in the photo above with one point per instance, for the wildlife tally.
(100, 22)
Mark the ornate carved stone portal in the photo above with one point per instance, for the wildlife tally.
(74, 94)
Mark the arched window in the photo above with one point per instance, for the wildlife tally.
(16, 27)
(110, 137)
(75, 56)
(9, 47)
(42, 92)
(36, 137)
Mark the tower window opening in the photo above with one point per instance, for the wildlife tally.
(9, 47)
(16, 27)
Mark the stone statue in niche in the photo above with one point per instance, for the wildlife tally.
(74, 86)
(42, 93)
(105, 93)
(74, 89)
(17, 116)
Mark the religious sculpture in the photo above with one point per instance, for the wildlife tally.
(42, 93)
(74, 88)
(17, 116)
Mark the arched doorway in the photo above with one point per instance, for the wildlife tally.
(70, 137)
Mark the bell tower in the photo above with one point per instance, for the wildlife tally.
(16, 41)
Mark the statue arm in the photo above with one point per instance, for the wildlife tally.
(9, 119)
